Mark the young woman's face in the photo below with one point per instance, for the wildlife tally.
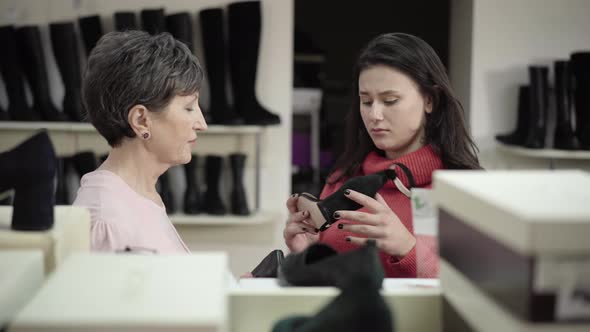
(393, 110)
(175, 129)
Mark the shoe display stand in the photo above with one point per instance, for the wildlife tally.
(521, 157)
(71, 138)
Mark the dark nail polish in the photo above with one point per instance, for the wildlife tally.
(336, 215)
(304, 229)
(316, 230)
(340, 226)
(347, 239)
(347, 192)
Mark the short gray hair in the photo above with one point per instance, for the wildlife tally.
(135, 68)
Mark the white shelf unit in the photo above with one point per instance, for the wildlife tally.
(70, 138)
(520, 157)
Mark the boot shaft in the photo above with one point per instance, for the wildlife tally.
(65, 49)
(213, 169)
(33, 62)
(190, 171)
(13, 76)
(125, 21)
(153, 21)
(215, 52)
(91, 31)
(180, 27)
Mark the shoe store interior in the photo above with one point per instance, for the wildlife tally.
(294, 165)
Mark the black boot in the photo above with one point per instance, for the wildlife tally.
(580, 63)
(153, 21)
(181, 28)
(321, 265)
(215, 49)
(4, 115)
(33, 64)
(539, 102)
(239, 201)
(212, 203)
(165, 192)
(91, 30)
(65, 49)
(29, 169)
(84, 162)
(62, 192)
(244, 41)
(12, 73)
(192, 195)
(125, 21)
(565, 137)
(518, 136)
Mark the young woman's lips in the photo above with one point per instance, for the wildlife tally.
(378, 131)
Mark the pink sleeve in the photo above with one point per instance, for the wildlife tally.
(420, 262)
(102, 237)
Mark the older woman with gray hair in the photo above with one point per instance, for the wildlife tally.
(141, 93)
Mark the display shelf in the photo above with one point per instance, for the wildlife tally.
(544, 153)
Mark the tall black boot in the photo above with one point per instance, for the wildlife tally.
(244, 41)
(165, 192)
(239, 202)
(212, 203)
(565, 137)
(215, 51)
(65, 49)
(153, 21)
(125, 21)
(4, 115)
(91, 30)
(192, 195)
(518, 136)
(62, 193)
(181, 28)
(580, 63)
(12, 73)
(29, 169)
(539, 96)
(33, 64)
(84, 162)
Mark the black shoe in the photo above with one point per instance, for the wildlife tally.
(216, 57)
(565, 138)
(35, 69)
(13, 75)
(91, 31)
(84, 162)
(321, 265)
(153, 21)
(29, 169)
(65, 49)
(539, 103)
(125, 21)
(244, 20)
(192, 195)
(322, 211)
(518, 136)
(239, 201)
(212, 202)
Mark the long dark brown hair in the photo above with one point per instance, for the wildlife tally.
(445, 128)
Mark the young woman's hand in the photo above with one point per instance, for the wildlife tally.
(298, 233)
(379, 223)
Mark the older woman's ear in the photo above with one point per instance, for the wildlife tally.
(139, 120)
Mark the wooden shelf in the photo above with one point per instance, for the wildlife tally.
(256, 218)
(545, 153)
(76, 127)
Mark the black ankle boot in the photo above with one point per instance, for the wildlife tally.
(580, 63)
(125, 21)
(244, 41)
(212, 203)
(181, 28)
(65, 49)
(91, 31)
(539, 96)
(62, 192)
(322, 211)
(239, 201)
(33, 64)
(153, 21)
(29, 169)
(565, 137)
(12, 73)
(192, 195)
(321, 265)
(518, 136)
(215, 50)
(165, 192)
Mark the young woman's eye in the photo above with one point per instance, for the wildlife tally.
(390, 102)
(366, 102)
(190, 109)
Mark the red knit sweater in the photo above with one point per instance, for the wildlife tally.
(421, 163)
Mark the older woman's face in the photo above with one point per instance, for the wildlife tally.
(174, 130)
(393, 110)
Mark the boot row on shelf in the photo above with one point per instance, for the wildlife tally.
(23, 61)
(572, 106)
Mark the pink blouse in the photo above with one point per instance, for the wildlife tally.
(121, 218)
